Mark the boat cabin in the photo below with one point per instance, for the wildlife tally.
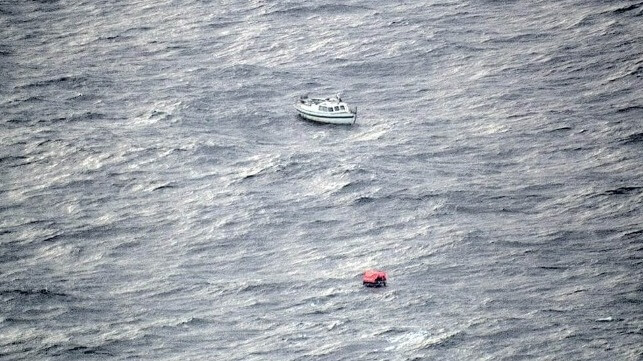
(334, 108)
(328, 105)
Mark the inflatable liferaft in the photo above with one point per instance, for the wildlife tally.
(374, 278)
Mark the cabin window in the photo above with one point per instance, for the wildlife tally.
(336, 108)
(322, 108)
(342, 107)
(330, 109)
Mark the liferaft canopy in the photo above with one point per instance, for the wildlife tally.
(374, 276)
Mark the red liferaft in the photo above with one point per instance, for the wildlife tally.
(374, 278)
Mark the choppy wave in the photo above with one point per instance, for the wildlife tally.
(160, 199)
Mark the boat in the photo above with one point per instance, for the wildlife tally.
(374, 278)
(329, 110)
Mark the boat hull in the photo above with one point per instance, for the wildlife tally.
(341, 119)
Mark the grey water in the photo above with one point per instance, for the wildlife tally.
(160, 199)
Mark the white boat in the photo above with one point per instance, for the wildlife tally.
(329, 110)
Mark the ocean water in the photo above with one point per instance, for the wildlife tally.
(160, 199)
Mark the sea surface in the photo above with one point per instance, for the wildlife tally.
(161, 200)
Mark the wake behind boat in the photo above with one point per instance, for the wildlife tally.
(329, 110)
